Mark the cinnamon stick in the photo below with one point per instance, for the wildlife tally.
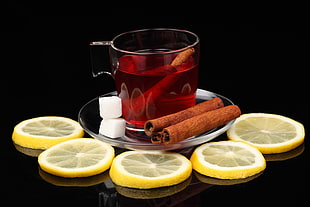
(182, 57)
(177, 61)
(155, 125)
(197, 125)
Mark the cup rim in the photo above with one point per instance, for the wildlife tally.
(155, 53)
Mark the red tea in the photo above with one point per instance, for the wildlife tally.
(149, 87)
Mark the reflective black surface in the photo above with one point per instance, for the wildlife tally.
(46, 70)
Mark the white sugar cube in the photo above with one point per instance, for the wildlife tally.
(113, 128)
(110, 107)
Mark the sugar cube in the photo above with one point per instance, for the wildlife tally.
(110, 107)
(112, 128)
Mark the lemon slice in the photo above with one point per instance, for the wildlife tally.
(270, 133)
(81, 157)
(227, 160)
(44, 132)
(149, 169)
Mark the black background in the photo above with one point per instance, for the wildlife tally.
(46, 70)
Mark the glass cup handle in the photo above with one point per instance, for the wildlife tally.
(98, 61)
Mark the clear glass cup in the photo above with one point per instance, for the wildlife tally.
(155, 71)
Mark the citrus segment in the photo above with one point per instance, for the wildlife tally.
(77, 158)
(270, 133)
(227, 160)
(149, 169)
(44, 132)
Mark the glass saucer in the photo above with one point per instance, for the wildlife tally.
(90, 119)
